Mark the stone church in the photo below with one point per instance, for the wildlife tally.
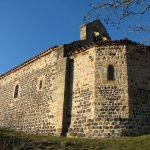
(93, 87)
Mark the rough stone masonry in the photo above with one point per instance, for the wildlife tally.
(94, 87)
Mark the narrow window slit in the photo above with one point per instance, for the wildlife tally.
(40, 84)
(16, 91)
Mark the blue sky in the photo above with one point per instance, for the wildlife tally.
(28, 27)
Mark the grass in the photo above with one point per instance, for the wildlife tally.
(11, 140)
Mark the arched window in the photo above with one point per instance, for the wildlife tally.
(16, 91)
(110, 72)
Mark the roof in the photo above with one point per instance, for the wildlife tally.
(72, 48)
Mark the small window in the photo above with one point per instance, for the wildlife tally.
(110, 72)
(40, 84)
(16, 91)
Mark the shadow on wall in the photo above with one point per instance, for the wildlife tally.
(138, 62)
(67, 106)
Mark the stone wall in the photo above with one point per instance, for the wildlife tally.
(111, 95)
(99, 106)
(138, 66)
(83, 93)
(35, 110)
(77, 98)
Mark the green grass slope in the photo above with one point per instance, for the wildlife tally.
(10, 140)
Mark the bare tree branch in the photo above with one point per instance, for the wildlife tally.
(118, 10)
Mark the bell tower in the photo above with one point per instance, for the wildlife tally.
(93, 31)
